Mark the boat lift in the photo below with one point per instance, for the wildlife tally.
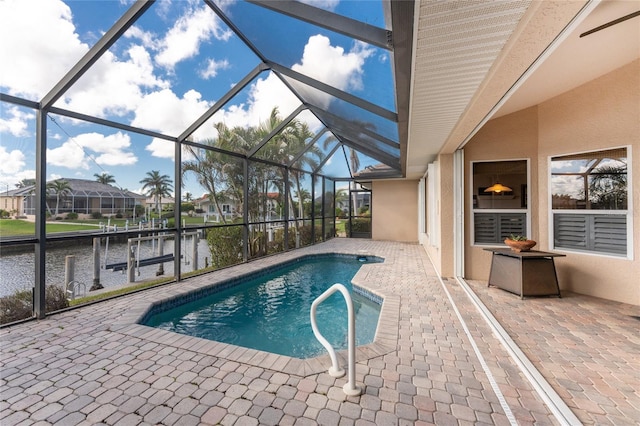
(134, 262)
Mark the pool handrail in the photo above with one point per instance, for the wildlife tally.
(350, 387)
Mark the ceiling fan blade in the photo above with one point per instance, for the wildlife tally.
(611, 23)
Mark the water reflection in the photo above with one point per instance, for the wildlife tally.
(18, 268)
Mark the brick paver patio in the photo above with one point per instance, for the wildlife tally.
(94, 365)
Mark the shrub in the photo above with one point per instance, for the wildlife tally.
(55, 298)
(225, 245)
(303, 230)
(18, 306)
(72, 216)
(4, 214)
(96, 215)
(139, 210)
(119, 215)
(357, 225)
(185, 207)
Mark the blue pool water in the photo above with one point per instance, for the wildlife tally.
(271, 312)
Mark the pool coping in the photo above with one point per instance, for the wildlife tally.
(384, 342)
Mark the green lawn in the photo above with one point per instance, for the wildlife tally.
(12, 227)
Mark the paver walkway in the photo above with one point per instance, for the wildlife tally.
(87, 366)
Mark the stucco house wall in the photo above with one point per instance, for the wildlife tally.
(601, 114)
(512, 137)
(604, 113)
(395, 210)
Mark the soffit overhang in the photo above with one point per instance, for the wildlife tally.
(542, 57)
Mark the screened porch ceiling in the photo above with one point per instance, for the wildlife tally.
(382, 91)
(358, 119)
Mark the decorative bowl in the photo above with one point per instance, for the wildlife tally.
(519, 246)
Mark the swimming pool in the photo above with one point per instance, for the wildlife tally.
(270, 311)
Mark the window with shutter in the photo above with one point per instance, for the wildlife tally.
(589, 202)
(493, 228)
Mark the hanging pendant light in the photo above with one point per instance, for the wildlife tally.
(498, 188)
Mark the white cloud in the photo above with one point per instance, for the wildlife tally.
(165, 112)
(11, 168)
(189, 31)
(16, 123)
(111, 150)
(147, 38)
(265, 94)
(332, 65)
(322, 4)
(43, 46)
(320, 60)
(212, 68)
(161, 148)
(112, 86)
(11, 162)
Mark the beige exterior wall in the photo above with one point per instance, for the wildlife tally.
(601, 114)
(394, 210)
(513, 137)
(12, 204)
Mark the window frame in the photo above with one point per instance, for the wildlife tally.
(627, 213)
(473, 210)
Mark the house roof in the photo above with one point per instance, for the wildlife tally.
(85, 188)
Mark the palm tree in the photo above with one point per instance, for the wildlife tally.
(300, 133)
(61, 189)
(104, 178)
(158, 186)
(220, 174)
(354, 160)
(341, 197)
(188, 197)
(607, 186)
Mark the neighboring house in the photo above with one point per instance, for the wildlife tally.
(12, 201)
(150, 202)
(229, 207)
(85, 197)
(232, 209)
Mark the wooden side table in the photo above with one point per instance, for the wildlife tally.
(528, 273)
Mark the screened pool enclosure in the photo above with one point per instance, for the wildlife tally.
(263, 121)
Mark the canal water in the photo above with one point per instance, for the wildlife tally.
(17, 269)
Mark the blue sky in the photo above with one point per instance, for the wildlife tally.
(167, 70)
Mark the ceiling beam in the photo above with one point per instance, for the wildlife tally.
(402, 22)
(358, 30)
(348, 126)
(308, 146)
(277, 130)
(340, 94)
(222, 101)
